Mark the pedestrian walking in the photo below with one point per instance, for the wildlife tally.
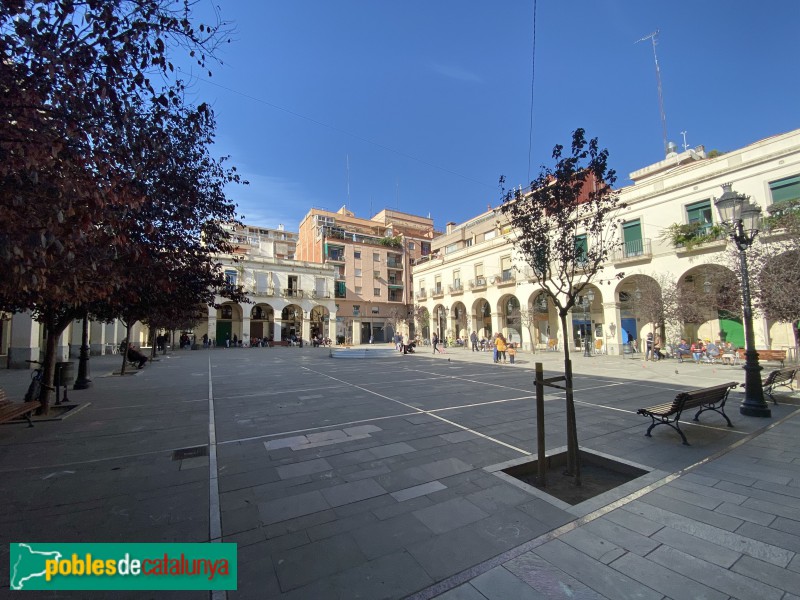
(512, 352)
(435, 341)
(501, 345)
(648, 353)
(474, 339)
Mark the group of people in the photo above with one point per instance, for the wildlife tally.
(706, 352)
(318, 340)
(653, 349)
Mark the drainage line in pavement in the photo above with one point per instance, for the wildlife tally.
(469, 574)
(214, 518)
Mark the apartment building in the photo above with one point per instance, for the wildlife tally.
(288, 298)
(372, 259)
(475, 281)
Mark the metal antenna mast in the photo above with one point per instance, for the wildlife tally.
(652, 38)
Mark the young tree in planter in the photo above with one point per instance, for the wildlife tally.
(565, 230)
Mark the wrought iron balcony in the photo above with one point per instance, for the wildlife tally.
(505, 278)
(634, 250)
(478, 283)
(456, 288)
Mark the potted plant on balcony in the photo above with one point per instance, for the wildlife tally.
(690, 235)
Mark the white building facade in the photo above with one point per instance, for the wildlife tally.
(475, 281)
(286, 298)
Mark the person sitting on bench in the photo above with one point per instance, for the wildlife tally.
(135, 356)
(132, 354)
(682, 350)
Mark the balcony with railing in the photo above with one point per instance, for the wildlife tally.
(394, 263)
(438, 292)
(395, 295)
(335, 257)
(633, 251)
(262, 291)
(508, 277)
(456, 288)
(292, 293)
(479, 283)
(422, 294)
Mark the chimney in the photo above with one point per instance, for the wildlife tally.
(450, 226)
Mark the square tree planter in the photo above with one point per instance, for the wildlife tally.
(605, 479)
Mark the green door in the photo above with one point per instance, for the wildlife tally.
(731, 329)
(632, 233)
(224, 329)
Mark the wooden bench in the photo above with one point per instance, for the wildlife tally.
(11, 410)
(779, 378)
(766, 355)
(669, 413)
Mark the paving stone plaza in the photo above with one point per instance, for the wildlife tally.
(378, 478)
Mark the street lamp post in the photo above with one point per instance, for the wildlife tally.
(587, 303)
(741, 218)
(83, 382)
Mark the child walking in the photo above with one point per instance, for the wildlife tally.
(512, 352)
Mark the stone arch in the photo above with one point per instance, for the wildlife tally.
(439, 320)
(638, 297)
(587, 318)
(291, 321)
(510, 312)
(542, 320)
(709, 304)
(424, 320)
(459, 322)
(262, 321)
(229, 323)
(482, 317)
(318, 317)
(778, 285)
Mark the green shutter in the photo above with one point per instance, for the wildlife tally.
(699, 212)
(785, 189)
(581, 246)
(632, 234)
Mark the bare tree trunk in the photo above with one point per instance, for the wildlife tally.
(531, 329)
(573, 458)
(48, 367)
(124, 351)
(54, 330)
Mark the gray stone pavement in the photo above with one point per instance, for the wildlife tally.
(376, 478)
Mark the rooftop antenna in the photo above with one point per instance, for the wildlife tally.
(685, 145)
(397, 195)
(652, 38)
(347, 158)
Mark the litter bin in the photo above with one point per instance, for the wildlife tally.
(65, 374)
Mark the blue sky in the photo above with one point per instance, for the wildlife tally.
(430, 100)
